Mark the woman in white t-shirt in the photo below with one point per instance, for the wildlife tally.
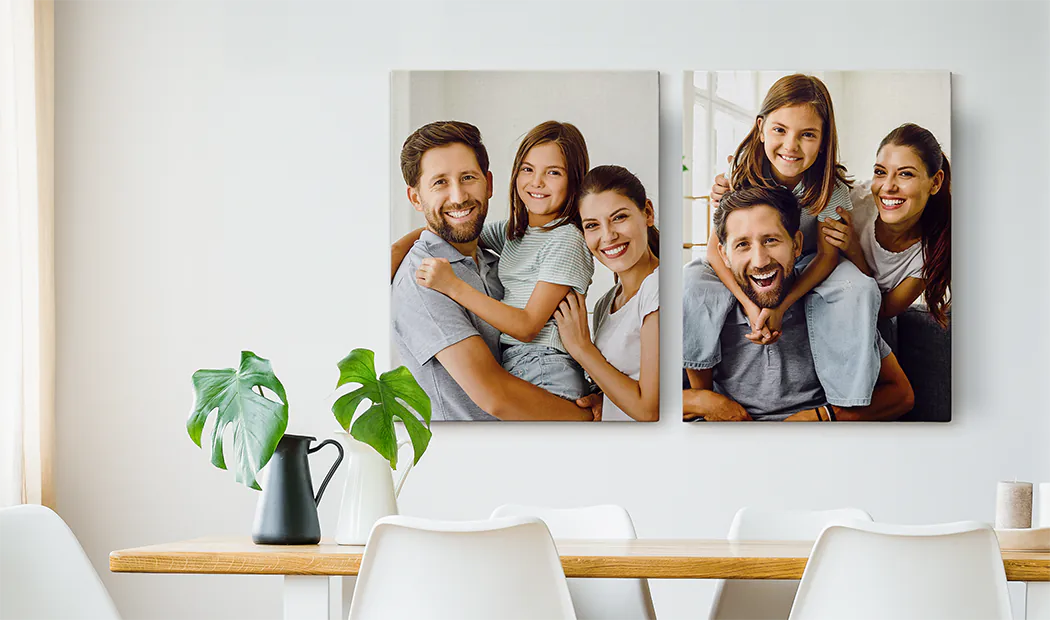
(902, 232)
(624, 357)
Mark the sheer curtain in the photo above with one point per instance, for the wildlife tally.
(27, 272)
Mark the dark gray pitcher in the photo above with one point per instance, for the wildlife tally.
(287, 510)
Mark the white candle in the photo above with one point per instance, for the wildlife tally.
(1044, 504)
(1013, 505)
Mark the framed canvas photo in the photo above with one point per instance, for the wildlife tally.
(817, 258)
(525, 244)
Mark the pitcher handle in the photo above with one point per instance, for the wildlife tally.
(331, 472)
(404, 474)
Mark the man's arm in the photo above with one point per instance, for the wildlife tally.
(400, 249)
(892, 397)
(499, 393)
(702, 400)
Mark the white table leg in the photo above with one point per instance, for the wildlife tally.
(306, 597)
(345, 588)
(1037, 600)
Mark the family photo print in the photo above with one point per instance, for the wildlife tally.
(817, 257)
(524, 243)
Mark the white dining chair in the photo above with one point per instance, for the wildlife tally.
(906, 572)
(595, 598)
(770, 599)
(44, 572)
(421, 569)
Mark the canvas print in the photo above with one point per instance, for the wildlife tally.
(817, 258)
(525, 244)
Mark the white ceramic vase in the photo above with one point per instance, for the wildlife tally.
(369, 493)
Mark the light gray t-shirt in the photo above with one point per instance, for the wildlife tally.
(556, 255)
(771, 381)
(891, 268)
(426, 322)
(618, 335)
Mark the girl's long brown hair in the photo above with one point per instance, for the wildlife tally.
(751, 167)
(573, 149)
(936, 218)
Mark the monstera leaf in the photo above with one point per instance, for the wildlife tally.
(258, 422)
(375, 426)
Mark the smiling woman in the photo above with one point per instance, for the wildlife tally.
(905, 241)
(624, 357)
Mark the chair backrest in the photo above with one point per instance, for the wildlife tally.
(44, 572)
(879, 570)
(595, 598)
(497, 568)
(766, 599)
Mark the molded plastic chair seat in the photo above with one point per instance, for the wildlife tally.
(595, 598)
(421, 569)
(770, 599)
(880, 570)
(44, 572)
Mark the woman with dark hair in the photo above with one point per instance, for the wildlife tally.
(624, 358)
(903, 229)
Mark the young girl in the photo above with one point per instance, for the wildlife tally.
(903, 238)
(624, 358)
(794, 144)
(543, 257)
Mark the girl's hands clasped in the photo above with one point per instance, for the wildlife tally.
(759, 320)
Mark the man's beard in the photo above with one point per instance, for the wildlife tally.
(460, 233)
(768, 298)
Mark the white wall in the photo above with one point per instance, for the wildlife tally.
(870, 104)
(222, 174)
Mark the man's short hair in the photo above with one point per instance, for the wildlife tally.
(779, 198)
(433, 135)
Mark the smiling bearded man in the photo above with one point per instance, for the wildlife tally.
(450, 351)
(759, 240)
(761, 253)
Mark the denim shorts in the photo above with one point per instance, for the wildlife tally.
(548, 368)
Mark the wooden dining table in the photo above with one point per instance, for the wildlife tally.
(310, 592)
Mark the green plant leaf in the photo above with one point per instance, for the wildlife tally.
(258, 422)
(375, 426)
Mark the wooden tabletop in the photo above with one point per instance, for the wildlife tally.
(668, 559)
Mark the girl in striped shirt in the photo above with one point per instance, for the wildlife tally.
(543, 257)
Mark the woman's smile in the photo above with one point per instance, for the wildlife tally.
(889, 203)
(615, 251)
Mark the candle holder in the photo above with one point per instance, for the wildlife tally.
(1013, 517)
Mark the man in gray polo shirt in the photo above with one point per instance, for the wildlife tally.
(760, 242)
(453, 354)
